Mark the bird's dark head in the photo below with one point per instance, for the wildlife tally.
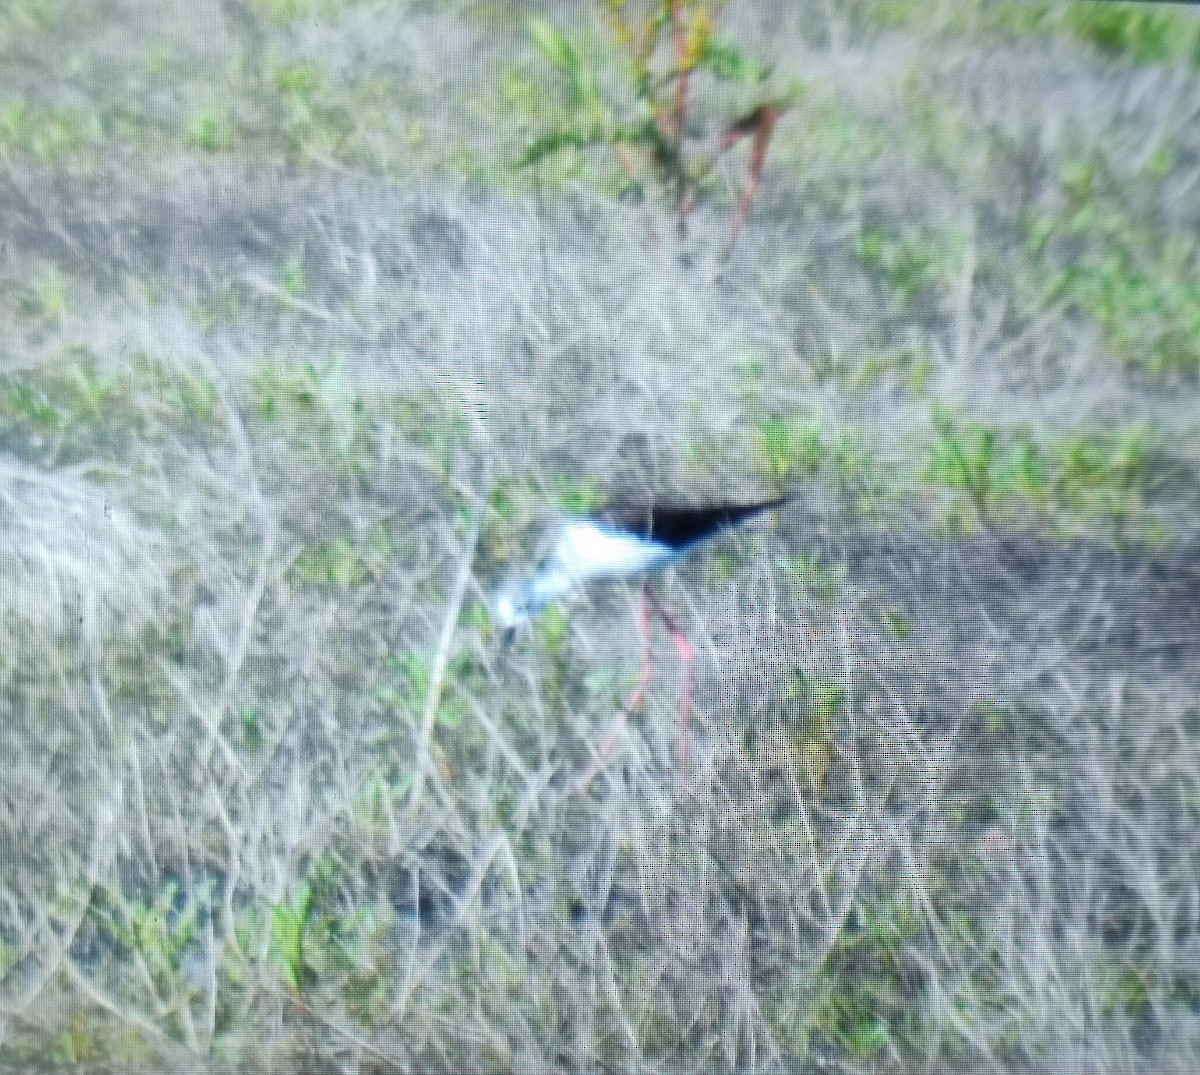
(517, 601)
(513, 605)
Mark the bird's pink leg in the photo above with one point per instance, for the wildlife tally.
(634, 702)
(687, 654)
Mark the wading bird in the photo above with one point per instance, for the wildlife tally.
(625, 541)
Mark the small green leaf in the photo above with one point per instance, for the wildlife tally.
(898, 623)
(723, 60)
(579, 497)
(552, 43)
(557, 141)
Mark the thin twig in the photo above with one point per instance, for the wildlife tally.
(438, 677)
(260, 283)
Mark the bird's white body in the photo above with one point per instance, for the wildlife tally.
(588, 550)
(585, 549)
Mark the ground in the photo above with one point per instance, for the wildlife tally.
(297, 362)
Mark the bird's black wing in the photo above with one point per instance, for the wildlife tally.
(678, 526)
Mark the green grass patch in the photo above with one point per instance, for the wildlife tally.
(512, 502)
(1126, 987)
(827, 133)
(436, 425)
(1149, 308)
(407, 679)
(865, 998)
(911, 261)
(578, 496)
(43, 300)
(792, 447)
(161, 931)
(293, 280)
(186, 395)
(749, 365)
(345, 561)
(78, 402)
(1079, 477)
(211, 129)
(71, 396)
(634, 97)
(812, 710)
(1139, 32)
(1141, 287)
(799, 447)
(893, 14)
(824, 581)
(24, 401)
(28, 16)
(293, 924)
(912, 366)
(48, 134)
(159, 939)
(315, 939)
(302, 86)
(319, 409)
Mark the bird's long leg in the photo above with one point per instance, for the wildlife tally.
(634, 702)
(687, 655)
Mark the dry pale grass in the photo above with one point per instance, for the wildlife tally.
(283, 801)
(71, 555)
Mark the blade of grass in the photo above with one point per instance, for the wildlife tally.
(437, 678)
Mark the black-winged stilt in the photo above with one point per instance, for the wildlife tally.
(624, 541)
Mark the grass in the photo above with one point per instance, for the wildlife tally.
(75, 403)
(1135, 284)
(211, 130)
(836, 132)
(42, 302)
(1144, 35)
(814, 714)
(50, 135)
(911, 366)
(1130, 32)
(345, 561)
(26, 16)
(797, 447)
(317, 408)
(1077, 479)
(910, 264)
(825, 581)
(294, 367)
(1149, 313)
(1090, 478)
